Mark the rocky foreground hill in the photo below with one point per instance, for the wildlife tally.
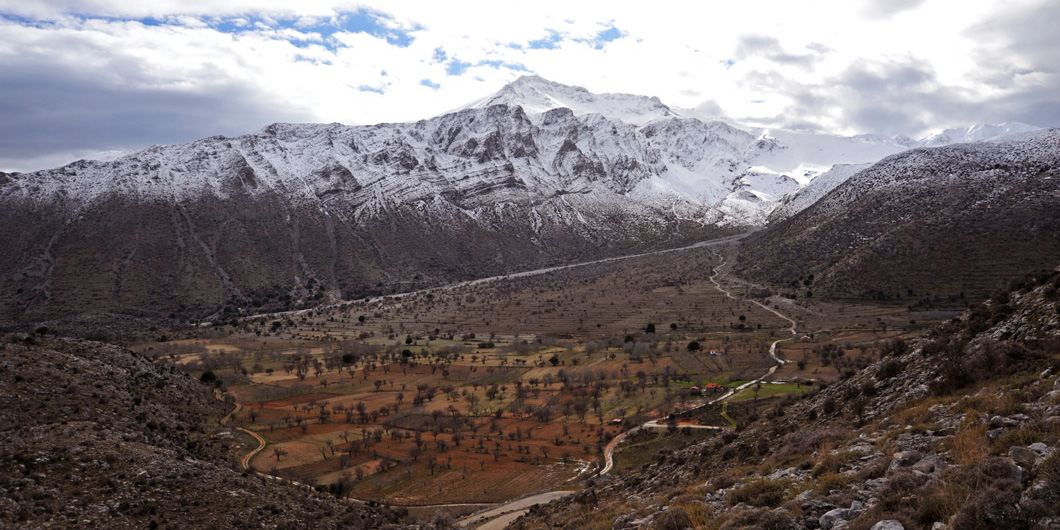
(960, 431)
(94, 436)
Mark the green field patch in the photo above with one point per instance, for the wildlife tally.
(768, 390)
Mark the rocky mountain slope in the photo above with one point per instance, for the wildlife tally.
(922, 226)
(805, 196)
(96, 436)
(308, 213)
(958, 431)
(297, 214)
(537, 174)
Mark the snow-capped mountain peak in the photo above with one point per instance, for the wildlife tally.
(537, 95)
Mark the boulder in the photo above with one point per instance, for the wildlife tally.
(1040, 450)
(930, 464)
(1001, 422)
(888, 524)
(816, 508)
(837, 518)
(904, 459)
(1022, 456)
(1019, 474)
(831, 518)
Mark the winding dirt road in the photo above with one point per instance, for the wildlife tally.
(498, 517)
(654, 424)
(245, 460)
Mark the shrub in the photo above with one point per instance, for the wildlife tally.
(1044, 501)
(832, 463)
(995, 507)
(673, 519)
(832, 481)
(778, 519)
(900, 492)
(1021, 437)
(762, 492)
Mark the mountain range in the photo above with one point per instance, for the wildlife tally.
(537, 174)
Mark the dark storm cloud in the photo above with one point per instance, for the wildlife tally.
(1020, 53)
(1040, 107)
(902, 97)
(49, 106)
(891, 97)
(770, 49)
(882, 97)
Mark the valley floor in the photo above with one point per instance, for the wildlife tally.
(516, 384)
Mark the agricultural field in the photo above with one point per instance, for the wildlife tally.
(485, 391)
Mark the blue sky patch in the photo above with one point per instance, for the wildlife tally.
(429, 83)
(728, 63)
(439, 55)
(456, 67)
(311, 60)
(551, 42)
(608, 35)
(366, 88)
(41, 24)
(497, 64)
(375, 23)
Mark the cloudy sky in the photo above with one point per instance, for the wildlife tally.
(82, 77)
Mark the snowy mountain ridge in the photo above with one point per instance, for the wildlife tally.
(537, 95)
(298, 214)
(550, 140)
(923, 225)
(976, 133)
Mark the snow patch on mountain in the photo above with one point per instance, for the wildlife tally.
(976, 133)
(805, 196)
(537, 95)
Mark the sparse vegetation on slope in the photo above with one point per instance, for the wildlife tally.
(92, 435)
(926, 228)
(961, 429)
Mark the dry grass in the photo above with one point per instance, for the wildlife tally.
(761, 492)
(969, 446)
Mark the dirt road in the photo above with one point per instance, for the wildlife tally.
(498, 518)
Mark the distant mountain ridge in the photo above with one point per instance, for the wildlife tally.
(927, 225)
(975, 133)
(537, 174)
